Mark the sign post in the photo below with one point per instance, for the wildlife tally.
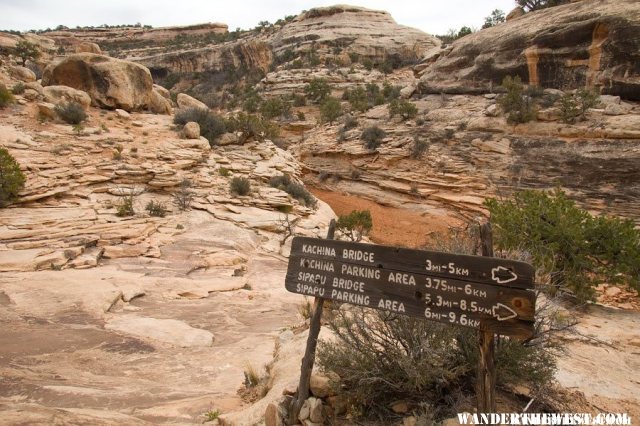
(486, 379)
(491, 295)
(310, 350)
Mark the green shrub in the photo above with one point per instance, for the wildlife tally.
(418, 147)
(6, 97)
(184, 195)
(299, 100)
(404, 109)
(357, 98)
(568, 108)
(223, 171)
(27, 51)
(252, 127)
(574, 249)
(211, 125)
(300, 193)
(156, 208)
(381, 357)
(530, 5)
(518, 107)
(252, 101)
(356, 224)
(575, 106)
(350, 122)
(240, 186)
(372, 137)
(71, 113)
(125, 206)
(317, 90)
(275, 107)
(385, 67)
(496, 17)
(364, 98)
(11, 178)
(170, 80)
(296, 190)
(390, 92)
(18, 88)
(330, 110)
(300, 115)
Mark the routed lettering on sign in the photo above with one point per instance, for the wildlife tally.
(367, 275)
(487, 270)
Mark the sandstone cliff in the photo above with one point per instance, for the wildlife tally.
(251, 54)
(592, 43)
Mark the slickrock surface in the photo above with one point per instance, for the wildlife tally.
(138, 320)
(369, 33)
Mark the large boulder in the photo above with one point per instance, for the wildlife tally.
(64, 94)
(191, 130)
(186, 101)
(111, 83)
(592, 43)
(158, 104)
(22, 74)
(88, 47)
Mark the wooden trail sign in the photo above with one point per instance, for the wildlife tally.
(479, 292)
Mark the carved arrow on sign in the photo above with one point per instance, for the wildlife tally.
(502, 275)
(496, 314)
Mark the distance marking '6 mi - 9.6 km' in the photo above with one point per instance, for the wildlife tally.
(480, 292)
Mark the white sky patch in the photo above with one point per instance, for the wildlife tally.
(431, 16)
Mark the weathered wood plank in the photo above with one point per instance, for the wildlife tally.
(334, 279)
(487, 270)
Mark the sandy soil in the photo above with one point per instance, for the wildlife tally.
(391, 226)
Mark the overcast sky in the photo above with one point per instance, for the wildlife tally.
(432, 16)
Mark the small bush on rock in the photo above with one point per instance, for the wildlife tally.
(356, 224)
(211, 125)
(514, 103)
(317, 90)
(404, 109)
(18, 88)
(252, 127)
(156, 208)
(27, 51)
(275, 108)
(71, 113)
(296, 190)
(184, 195)
(372, 137)
(575, 106)
(11, 178)
(240, 186)
(125, 207)
(6, 97)
(330, 110)
(419, 147)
